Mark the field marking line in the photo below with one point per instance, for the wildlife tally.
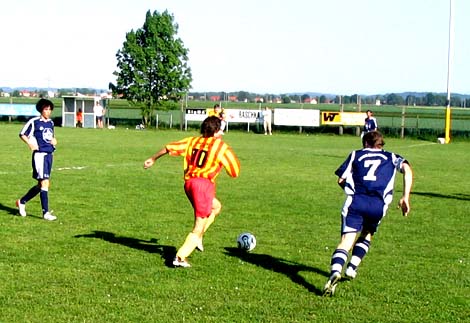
(419, 145)
(65, 168)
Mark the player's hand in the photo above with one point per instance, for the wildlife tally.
(53, 141)
(149, 163)
(404, 205)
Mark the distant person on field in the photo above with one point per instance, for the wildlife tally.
(38, 134)
(99, 112)
(219, 113)
(79, 119)
(370, 123)
(267, 117)
(367, 177)
(204, 157)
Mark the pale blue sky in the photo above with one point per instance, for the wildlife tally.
(263, 46)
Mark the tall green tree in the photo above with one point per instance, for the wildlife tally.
(153, 64)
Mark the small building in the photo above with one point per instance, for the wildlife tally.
(72, 104)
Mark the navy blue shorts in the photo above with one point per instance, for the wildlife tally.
(362, 213)
(42, 165)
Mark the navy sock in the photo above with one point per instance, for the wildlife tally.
(359, 252)
(338, 259)
(33, 191)
(44, 200)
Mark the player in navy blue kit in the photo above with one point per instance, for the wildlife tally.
(38, 134)
(370, 123)
(367, 177)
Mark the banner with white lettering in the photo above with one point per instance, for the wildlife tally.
(195, 114)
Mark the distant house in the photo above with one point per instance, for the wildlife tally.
(233, 98)
(25, 93)
(106, 95)
(215, 98)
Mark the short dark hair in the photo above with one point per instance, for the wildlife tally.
(42, 103)
(210, 126)
(373, 139)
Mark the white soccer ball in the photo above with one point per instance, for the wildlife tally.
(246, 241)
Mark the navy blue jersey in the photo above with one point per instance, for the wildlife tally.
(42, 130)
(371, 172)
(370, 124)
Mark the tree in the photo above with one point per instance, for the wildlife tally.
(286, 99)
(394, 99)
(152, 64)
(243, 95)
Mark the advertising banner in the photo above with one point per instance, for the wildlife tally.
(18, 109)
(297, 117)
(343, 118)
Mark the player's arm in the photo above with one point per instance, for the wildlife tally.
(32, 143)
(231, 163)
(150, 161)
(404, 202)
(25, 139)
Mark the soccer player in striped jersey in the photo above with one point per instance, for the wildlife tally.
(204, 157)
(367, 177)
(38, 134)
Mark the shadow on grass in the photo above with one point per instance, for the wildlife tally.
(14, 211)
(167, 252)
(289, 268)
(457, 196)
(10, 210)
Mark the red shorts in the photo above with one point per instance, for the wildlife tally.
(201, 193)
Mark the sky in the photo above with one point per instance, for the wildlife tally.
(260, 46)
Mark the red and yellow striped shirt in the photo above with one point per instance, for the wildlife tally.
(205, 157)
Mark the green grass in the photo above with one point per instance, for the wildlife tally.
(106, 258)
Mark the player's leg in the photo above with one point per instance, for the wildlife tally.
(338, 260)
(200, 193)
(191, 241)
(44, 168)
(341, 253)
(372, 217)
(216, 207)
(361, 247)
(21, 202)
(44, 196)
(351, 225)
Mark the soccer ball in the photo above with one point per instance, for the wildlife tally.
(246, 241)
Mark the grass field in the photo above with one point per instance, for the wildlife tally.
(107, 257)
